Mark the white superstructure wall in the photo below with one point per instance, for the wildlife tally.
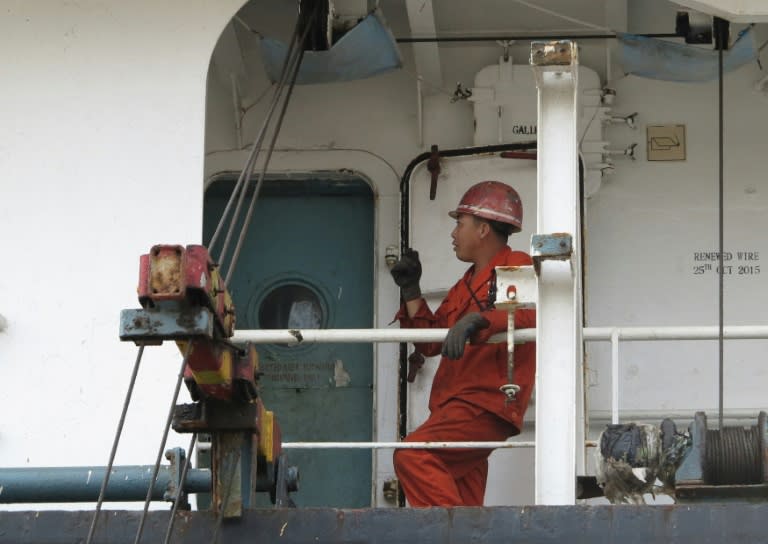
(112, 122)
(101, 146)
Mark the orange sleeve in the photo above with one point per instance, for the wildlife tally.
(525, 319)
(423, 319)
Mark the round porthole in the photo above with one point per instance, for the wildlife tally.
(291, 306)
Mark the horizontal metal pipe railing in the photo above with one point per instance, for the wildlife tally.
(604, 334)
(413, 445)
(352, 336)
(401, 445)
(615, 335)
(626, 334)
(82, 484)
(703, 332)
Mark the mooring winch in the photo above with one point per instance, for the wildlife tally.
(730, 463)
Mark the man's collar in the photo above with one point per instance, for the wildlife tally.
(487, 273)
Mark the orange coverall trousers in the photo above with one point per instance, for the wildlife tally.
(450, 477)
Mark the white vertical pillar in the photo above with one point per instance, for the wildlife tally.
(559, 336)
(615, 376)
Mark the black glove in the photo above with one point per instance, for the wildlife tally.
(407, 273)
(453, 346)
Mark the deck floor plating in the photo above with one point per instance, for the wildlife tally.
(699, 523)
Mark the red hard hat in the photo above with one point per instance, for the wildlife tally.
(494, 201)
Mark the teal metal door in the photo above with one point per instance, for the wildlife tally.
(307, 262)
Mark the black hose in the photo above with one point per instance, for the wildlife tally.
(465, 151)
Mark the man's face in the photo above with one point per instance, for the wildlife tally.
(466, 237)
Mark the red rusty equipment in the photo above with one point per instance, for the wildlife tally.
(220, 371)
(175, 273)
(184, 299)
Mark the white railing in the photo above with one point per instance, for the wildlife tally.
(629, 334)
(635, 334)
(614, 335)
(352, 336)
(402, 445)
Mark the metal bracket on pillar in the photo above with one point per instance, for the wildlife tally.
(551, 247)
(176, 457)
(516, 289)
(555, 56)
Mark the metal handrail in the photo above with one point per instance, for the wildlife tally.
(614, 335)
(405, 445)
(396, 335)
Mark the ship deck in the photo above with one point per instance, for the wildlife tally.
(700, 523)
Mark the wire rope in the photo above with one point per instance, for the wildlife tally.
(720, 338)
(245, 174)
(295, 64)
(115, 442)
(292, 65)
(248, 171)
(733, 456)
(276, 132)
(139, 531)
(561, 16)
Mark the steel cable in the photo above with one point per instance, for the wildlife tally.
(257, 189)
(295, 65)
(733, 456)
(180, 490)
(291, 65)
(720, 342)
(168, 420)
(113, 452)
(241, 187)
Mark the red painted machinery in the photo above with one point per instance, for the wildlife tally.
(184, 299)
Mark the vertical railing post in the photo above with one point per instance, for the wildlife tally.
(559, 323)
(615, 376)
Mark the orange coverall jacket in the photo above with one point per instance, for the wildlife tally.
(477, 376)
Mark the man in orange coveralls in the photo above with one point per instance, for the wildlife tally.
(465, 402)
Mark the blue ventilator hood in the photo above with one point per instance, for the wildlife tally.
(668, 61)
(366, 50)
